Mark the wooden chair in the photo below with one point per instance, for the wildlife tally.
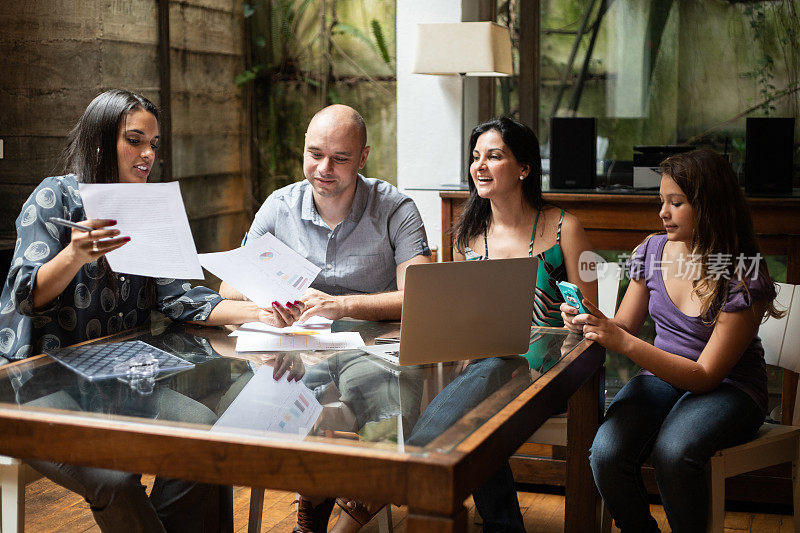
(344, 418)
(774, 444)
(14, 475)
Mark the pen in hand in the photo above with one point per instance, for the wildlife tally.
(101, 245)
(70, 224)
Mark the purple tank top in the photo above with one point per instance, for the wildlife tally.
(686, 336)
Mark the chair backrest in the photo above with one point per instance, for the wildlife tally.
(773, 330)
(790, 347)
(780, 337)
(608, 278)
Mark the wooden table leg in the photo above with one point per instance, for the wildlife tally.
(584, 415)
(423, 522)
(256, 510)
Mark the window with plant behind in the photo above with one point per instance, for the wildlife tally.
(306, 54)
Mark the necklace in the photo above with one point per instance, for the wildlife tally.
(530, 247)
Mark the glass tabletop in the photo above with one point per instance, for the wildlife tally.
(345, 397)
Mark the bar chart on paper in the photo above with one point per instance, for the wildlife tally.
(265, 270)
(298, 282)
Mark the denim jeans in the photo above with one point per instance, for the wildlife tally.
(679, 431)
(118, 499)
(495, 500)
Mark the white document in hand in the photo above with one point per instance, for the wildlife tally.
(267, 404)
(152, 215)
(265, 270)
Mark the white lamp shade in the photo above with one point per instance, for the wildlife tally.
(471, 48)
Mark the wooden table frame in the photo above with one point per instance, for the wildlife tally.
(434, 485)
(620, 222)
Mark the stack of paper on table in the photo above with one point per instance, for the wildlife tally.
(314, 334)
(314, 325)
(263, 341)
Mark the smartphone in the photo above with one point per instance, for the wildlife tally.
(572, 295)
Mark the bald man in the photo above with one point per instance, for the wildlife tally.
(363, 233)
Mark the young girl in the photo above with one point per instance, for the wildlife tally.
(703, 386)
(60, 291)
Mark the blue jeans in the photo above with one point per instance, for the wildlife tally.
(495, 500)
(679, 431)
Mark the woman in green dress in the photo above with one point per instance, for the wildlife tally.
(504, 217)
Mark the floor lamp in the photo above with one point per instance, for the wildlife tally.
(463, 49)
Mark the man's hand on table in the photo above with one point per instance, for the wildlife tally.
(316, 302)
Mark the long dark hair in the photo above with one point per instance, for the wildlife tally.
(722, 224)
(91, 152)
(523, 143)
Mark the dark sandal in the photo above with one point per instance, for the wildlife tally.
(312, 519)
(359, 512)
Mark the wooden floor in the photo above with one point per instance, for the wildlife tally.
(50, 508)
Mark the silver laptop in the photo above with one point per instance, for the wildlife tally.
(467, 310)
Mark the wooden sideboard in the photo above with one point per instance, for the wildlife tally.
(620, 222)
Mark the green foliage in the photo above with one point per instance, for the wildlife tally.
(775, 28)
(378, 45)
(333, 95)
(297, 54)
(380, 41)
(343, 28)
(763, 72)
(247, 76)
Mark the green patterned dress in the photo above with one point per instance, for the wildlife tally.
(547, 298)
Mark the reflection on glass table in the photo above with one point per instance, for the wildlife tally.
(362, 399)
(424, 436)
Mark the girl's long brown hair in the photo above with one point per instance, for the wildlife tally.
(722, 225)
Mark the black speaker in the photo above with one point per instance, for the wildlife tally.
(573, 152)
(769, 143)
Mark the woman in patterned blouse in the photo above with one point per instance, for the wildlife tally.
(60, 291)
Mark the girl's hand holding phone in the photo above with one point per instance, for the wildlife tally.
(582, 316)
(572, 305)
(601, 329)
(568, 313)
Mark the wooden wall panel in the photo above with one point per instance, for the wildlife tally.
(208, 119)
(34, 20)
(205, 28)
(56, 55)
(212, 195)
